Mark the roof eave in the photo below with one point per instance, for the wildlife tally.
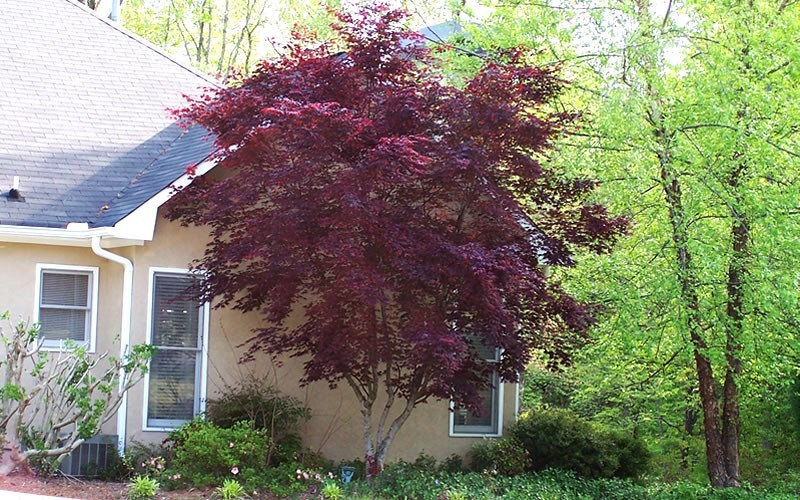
(142, 221)
(75, 235)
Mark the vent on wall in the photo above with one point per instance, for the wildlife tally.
(92, 457)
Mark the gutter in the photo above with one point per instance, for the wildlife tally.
(125, 332)
(75, 235)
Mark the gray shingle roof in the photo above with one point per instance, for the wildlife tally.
(83, 118)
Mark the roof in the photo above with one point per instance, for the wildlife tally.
(440, 32)
(83, 117)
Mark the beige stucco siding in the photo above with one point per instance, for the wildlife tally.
(335, 428)
(18, 296)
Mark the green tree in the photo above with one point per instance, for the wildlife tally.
(213, 35)
(688, 123)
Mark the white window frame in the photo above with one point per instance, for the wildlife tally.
(200, 403)
(58, 345)
(497, 395)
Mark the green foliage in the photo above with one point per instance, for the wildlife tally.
(702, 89)
(118, 468)
(253, 399)
(547, 388)
(143, 456)
(231, 490)
(206, 455)
(559, 439)
(633, 457)
(500, 456)
(453, 463)
(142, 487)
(284, 480)
(407, 482)
(331, 490)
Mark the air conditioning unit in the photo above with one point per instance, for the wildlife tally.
(92, 457)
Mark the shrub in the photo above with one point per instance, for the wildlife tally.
(142, 487)
(634, 457)
(252, 399)
(207, 455)
(65, 398)
(452, 464)
(559, 439)
(502, 456)
(284, 480)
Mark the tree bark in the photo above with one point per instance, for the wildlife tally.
(721, 428)
(717, 458)
(737, 268)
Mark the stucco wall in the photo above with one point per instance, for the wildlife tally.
(335, 428)
(17, 292)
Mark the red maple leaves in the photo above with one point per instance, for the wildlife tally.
(382, 221)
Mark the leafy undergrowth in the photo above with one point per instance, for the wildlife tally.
(551, 484)
(403, 483)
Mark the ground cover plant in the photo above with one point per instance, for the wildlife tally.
(400, 481)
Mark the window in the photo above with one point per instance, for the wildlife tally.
(66, 298)
(488, 422)
(178, 325)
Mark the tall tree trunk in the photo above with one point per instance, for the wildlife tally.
(225, 19)
(737, 268)
(715, 452)
(721, 428)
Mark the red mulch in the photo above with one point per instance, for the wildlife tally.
(84, 489)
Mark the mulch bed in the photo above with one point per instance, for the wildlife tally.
(67, 487)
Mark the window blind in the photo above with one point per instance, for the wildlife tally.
(176, 330)
(65, 305)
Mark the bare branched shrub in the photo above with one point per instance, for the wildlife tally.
(50, 402)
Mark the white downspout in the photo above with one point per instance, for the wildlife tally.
(125, 331)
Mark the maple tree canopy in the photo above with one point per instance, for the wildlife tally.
(385, 223)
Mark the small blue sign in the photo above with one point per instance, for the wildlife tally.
(347, 472)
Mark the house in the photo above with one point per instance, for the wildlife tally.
(88, 157)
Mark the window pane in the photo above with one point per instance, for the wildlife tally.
(485, 422)
(61, 289)
(484, 352)
(172, 386)
(61, 324)
(466, 417)
(176, 317)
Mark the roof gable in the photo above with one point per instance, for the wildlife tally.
(83, 117)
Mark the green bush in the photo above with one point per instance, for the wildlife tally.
(502, 456)
(205, 454)
(252, 399)
(404, 481)
(559, 439)
(284, 480)
(453, 463)
(633, 455)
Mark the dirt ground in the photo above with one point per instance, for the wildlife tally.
(76, 488)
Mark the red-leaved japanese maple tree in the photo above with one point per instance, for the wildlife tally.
(407, 219)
